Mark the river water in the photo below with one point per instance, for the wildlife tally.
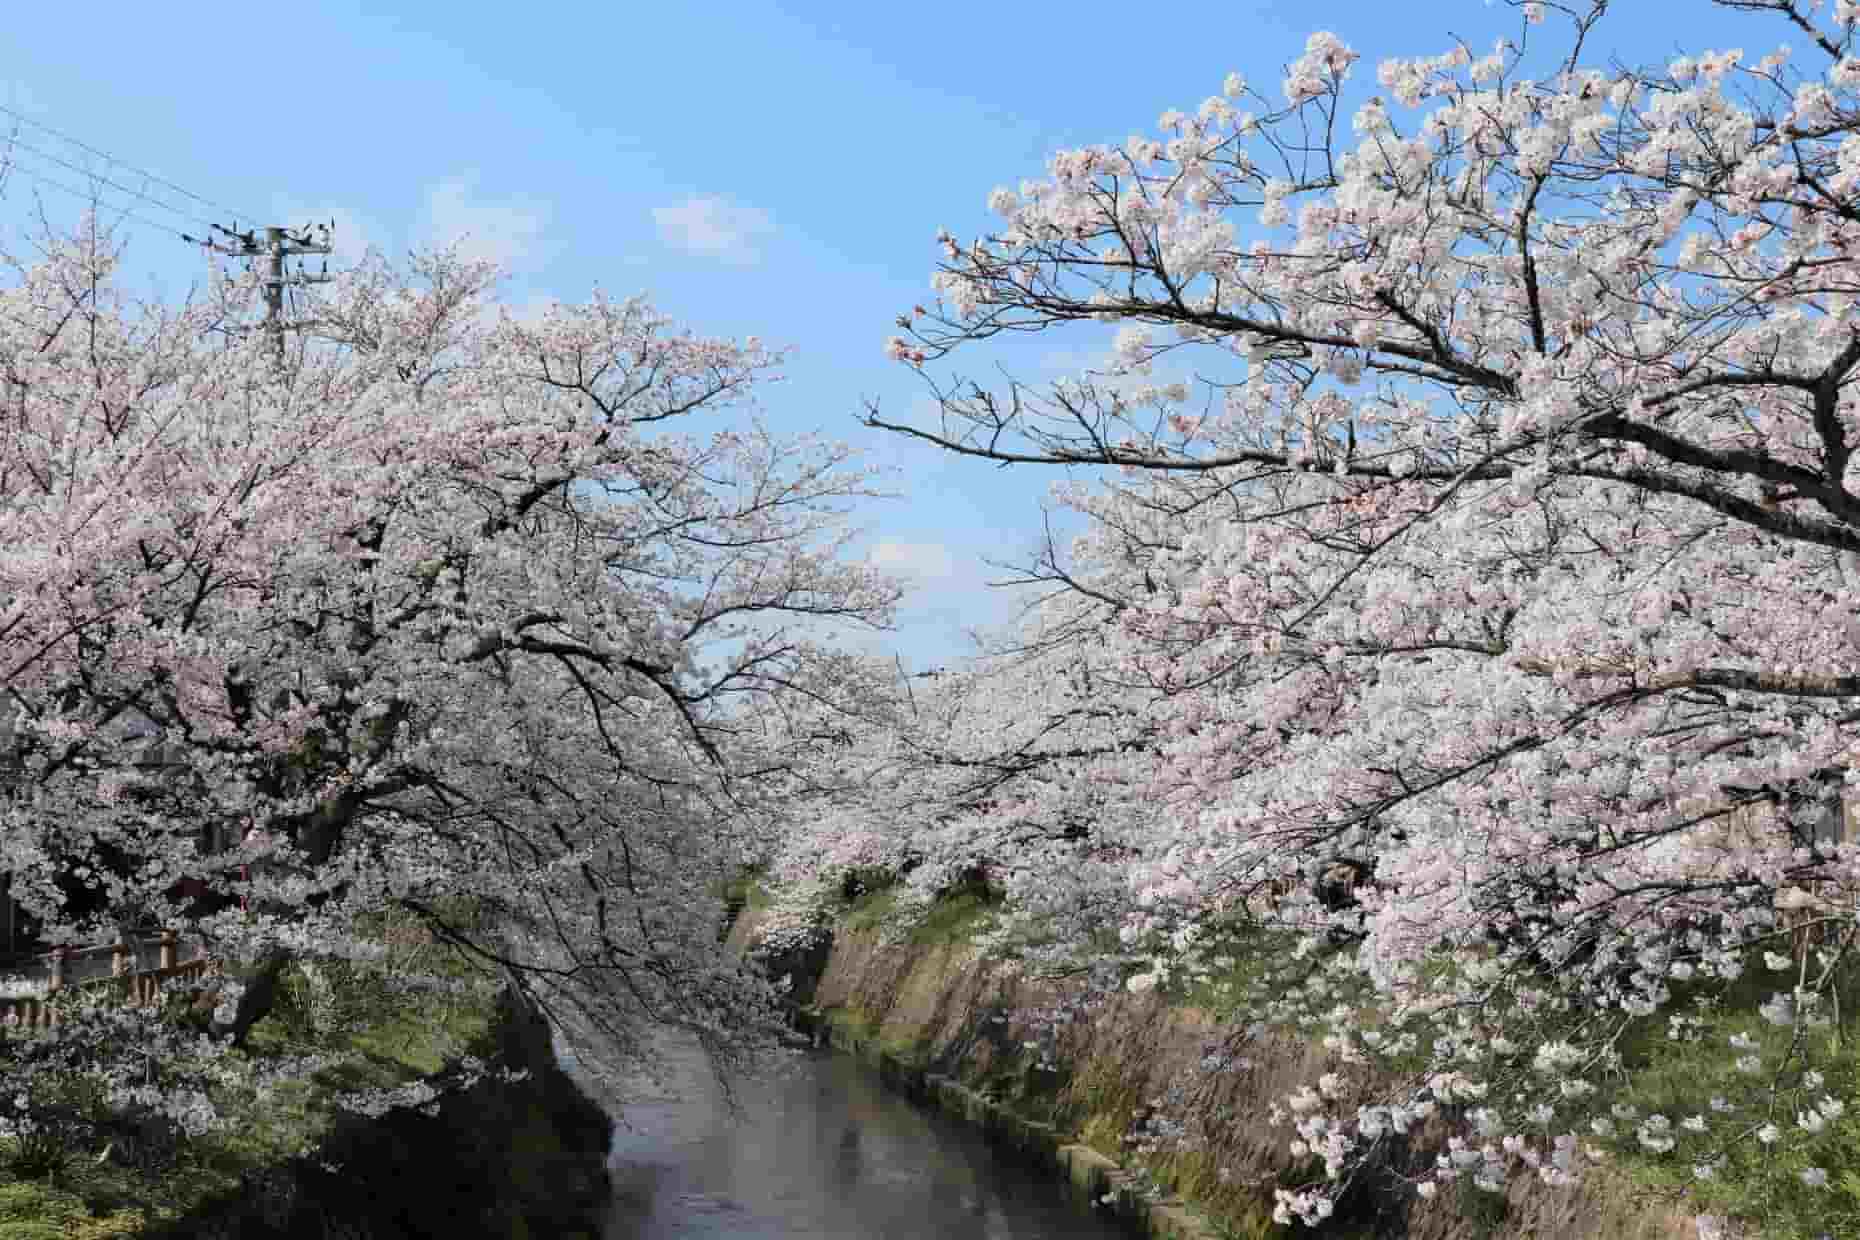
(826, 1152)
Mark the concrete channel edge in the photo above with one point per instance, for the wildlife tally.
(1093, 1177)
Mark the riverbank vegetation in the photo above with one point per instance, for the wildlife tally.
(337, 1036)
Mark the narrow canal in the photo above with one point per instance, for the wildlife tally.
(825, 1152)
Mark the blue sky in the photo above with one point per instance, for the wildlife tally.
(769, 169)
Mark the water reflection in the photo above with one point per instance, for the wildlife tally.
(826, 1153)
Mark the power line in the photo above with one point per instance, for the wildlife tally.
(91, 196)
(103, 180)
(278, 245)
(186, 193)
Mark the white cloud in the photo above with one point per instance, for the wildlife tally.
(713, 227)
(507, 233)
(918, 561)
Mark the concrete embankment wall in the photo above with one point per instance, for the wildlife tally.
(1096, 1179)
(948, 1027)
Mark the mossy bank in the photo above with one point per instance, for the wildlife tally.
(523, 1160)
(500, 1160)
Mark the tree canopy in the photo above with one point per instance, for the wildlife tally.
(1472, 579)
(444, 610)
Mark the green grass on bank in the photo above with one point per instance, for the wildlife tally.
(956, 918)
(959, 915)
(873, 911)
(1759, 1184)
(398, 1037)
(747, 890)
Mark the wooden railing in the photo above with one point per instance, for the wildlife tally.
(137, 986)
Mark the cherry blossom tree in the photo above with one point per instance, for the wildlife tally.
(1480, 539)
(990, 778)
(448, 610)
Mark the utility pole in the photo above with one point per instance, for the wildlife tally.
(277, 245)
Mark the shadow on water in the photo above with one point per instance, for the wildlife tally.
(824, 1152)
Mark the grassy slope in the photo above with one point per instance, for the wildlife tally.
(398, 1038)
